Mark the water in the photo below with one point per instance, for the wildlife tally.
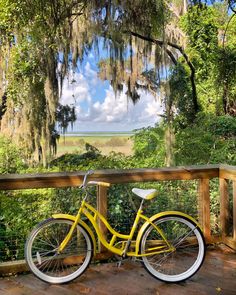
(99, 134)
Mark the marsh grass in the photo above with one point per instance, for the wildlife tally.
(106, 144)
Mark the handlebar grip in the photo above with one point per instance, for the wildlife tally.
(102, 183)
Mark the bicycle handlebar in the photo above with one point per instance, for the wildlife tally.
(102, 183)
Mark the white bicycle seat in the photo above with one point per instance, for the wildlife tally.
(146, 194)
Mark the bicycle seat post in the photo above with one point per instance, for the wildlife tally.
(141, 205)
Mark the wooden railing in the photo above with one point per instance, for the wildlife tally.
(203, 174)
(226, 174)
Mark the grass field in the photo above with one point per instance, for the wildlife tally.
(104, 143)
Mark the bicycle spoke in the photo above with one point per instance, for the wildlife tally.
(182, 239)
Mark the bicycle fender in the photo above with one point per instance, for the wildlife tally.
(159, 215)
(72, 218)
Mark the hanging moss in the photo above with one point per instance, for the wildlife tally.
(35, 32)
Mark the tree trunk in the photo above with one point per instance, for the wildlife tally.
(225, 97)
(169, 143)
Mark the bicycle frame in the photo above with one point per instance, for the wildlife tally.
(121, 247)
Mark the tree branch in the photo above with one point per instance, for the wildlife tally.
(185, 56)
(68, 11)
(231, 6)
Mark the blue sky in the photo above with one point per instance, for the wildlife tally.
(97, 107)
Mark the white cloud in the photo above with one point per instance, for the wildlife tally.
(119, 110)
(75, 89)
(108, 113)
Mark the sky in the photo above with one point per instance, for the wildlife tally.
(97, 106)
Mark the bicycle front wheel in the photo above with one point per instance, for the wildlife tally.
(188, 249)
(43, 258)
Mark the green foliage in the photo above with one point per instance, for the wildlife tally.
(148, 141)
(223, 126)
(11, 159)
(75, 161)
(211, 140)
(65, 115)
(20, 211)
(202, 29)
(201, 26)
(226, 78)
(147, 17)
(181, 93)
(211, 48)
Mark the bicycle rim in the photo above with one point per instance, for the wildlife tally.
(188, 255)
(44, 260)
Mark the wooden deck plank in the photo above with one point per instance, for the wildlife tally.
(10, 286)
(217, 276)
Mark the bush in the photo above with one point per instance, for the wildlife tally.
(11, 157)
(212, 139)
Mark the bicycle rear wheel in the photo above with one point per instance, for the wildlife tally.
(44, 260)
(181, 263)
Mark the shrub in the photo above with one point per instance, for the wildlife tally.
(11, 157)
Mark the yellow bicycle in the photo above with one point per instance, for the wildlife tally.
(170, 244)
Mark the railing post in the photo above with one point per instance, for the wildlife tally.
(224, 207)
(102, 208)
(234, 210)
(204, 207)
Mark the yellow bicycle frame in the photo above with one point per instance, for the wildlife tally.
(124, 240)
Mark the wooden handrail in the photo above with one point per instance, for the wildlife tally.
(72, 179)
(227, 172)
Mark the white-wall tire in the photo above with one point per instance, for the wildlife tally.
(41, 251)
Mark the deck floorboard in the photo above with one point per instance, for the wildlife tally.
(217, 276)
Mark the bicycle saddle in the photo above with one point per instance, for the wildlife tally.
(146, 194)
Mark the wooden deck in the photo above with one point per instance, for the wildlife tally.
(217, 276)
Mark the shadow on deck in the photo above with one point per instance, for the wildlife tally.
(217, 276)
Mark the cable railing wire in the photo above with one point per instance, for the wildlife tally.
(22, 210)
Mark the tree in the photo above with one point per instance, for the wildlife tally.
(33, 35)
(211, 47)
(65, 115)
